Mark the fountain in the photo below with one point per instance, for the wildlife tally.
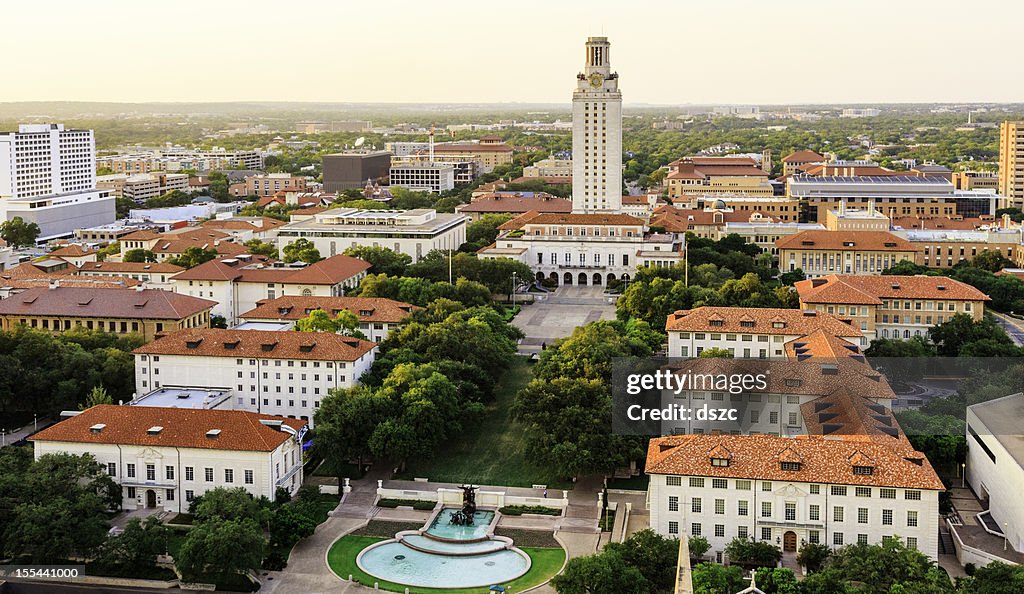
(456, 548)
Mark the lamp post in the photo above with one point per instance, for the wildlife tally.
(35, 423)
(513, 288)
(1006, 537)
(963, 474)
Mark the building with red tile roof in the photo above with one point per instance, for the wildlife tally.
(378, 316)
(163, 458)
(818, 253)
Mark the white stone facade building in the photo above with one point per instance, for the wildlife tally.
(597, 133)
(284, 373)
(165, 457)
(791, 491)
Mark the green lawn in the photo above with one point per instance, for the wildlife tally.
(492, 451)
(342, 559)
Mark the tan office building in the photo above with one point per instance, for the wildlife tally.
(819, 253)
(1011, 164)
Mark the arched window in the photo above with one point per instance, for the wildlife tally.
(307, 293)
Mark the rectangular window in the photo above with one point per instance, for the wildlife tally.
(887, 493)
(862, 515)
(131, 471)
(837, 514)
(719, 483)
(131, 492)
(839, 491)
(766, 486)
(766, 509)
(720, 507)
(150, 472)
(863, 491)
(248, 477)
(189, 495)
(742, 485)
(208, 474)
(741, 532)
(912, 519)
(169, 494)
(862, 539)
(169, 473)
(837, 539)
(111, 468)
(695, 529)
(790, 512)
(766, 533)
(912, 495)
(720, 530)
(814, 512)
(189, 473)
(696, 482)
(695, 505)
(742, 508)
(673, 527)
(815, 489)
(814, 537)
(229, 475)
(886, 517)
(911, 542)
(673, 503)
(673, 481)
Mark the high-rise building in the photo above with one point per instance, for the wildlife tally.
(48, 177)
(351, 169)
(597, 133)
(1011, 163)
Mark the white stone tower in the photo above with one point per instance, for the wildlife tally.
(597, 133)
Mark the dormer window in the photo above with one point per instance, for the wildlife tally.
(746, 323)
(778, 324)
(719, 461)
(864, 470)
(793, 383)
(716, 322)
(790, 466)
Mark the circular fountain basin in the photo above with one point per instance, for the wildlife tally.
(432, 545)
(442, 528)
(395, 562)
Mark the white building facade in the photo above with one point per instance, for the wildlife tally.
(48, 177)
(283, 373)
(163, 458)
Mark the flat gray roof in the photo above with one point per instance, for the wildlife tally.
(1002, 419)
(198, 398)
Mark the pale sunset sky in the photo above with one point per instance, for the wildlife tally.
(455, 51)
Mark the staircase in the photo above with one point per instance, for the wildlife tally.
(789, 562)
(946, 546)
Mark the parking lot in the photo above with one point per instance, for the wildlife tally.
(555, 315)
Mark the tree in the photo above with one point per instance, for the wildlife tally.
(995, 578)
(826, 581)
(139, 255)
(108, 250)
(288, 524)
(17, 233)
(236, 503)
(136, 548)
(963, 336)
(600, 574)
(915, 346)
(219, 185)
(221, 547)
(218, 321)
(882, 567)
(301, 250)
(699, 546)
(123, 207)
(791, 278)
(710, 578)
(752, 553)
(318, 320)
(776, 580)
(906, 268)
(60, 505)
(715, 353)
(991, 261)
(258, 248)
(194, 256)
(381, 259)
(483, 232)
(654, 555)
(98, 395)
(813, 555)
(345, 423)
(168, 199)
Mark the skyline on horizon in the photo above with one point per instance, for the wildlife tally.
(668, 54)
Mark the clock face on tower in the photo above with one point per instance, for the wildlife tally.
(596, 79)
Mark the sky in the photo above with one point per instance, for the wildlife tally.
(455, 51)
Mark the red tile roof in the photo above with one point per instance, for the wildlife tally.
(802, 157)
(870, 290)
(329, 271)
(130, 267)
(79, 302)
(181, 427)
(822, 460)
(838, 240)
(259, 344)
(294, 307)
(756, 320)
(72, 251)
(517, 204)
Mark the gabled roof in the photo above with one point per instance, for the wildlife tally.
(259, 344)
(870, 290)
(130, 267)
(78, 302)
(804, 156)
(329, 271)
(180, 427)
(72, 251)
(845, 240)
(750, 320)
(294, 307)
(822, 460)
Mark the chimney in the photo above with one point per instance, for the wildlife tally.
(140, 288)
(55, 284)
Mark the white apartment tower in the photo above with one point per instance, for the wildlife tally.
(597, 133)
(48, 177)
(45, 159)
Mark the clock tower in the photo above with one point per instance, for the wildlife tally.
(597, 133)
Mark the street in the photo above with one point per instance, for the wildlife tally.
(1013, 327)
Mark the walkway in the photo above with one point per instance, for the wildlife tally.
(19, 433)
(561, 312)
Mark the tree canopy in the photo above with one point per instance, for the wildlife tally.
(17, 233)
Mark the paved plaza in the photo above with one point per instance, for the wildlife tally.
(555, 315)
